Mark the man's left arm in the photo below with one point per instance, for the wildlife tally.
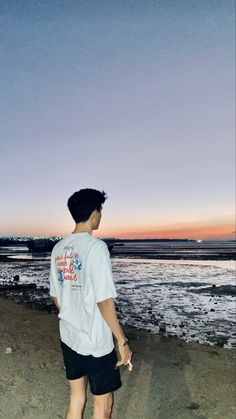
(54, 299)
(53, 281)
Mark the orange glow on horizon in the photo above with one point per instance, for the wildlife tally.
(203, 230)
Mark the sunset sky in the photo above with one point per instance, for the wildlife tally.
(133, 97)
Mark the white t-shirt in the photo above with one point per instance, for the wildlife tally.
(80, 277)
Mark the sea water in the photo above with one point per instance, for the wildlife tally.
(195, 300)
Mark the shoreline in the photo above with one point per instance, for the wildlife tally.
(171, 378)
(143, 255)
(201, 305)
(196, 257)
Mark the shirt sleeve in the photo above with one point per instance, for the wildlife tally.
(53, 277)
(101, 272)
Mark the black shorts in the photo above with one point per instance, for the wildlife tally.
(102, 373)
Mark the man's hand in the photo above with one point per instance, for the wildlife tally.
(125, 354)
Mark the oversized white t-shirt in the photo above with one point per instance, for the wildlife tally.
(80, 277)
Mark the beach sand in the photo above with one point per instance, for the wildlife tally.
(171, 378)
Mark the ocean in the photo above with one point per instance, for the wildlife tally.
(191, 299)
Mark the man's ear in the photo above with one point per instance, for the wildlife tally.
(93, 214)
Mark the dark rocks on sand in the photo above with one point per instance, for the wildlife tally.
(214, 290)
(193, 406)
(17, 286)
(220, 341)
(16, 278)
(162, 327)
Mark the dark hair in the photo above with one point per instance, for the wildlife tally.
(82, 203)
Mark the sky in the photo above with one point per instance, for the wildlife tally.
(132, 97)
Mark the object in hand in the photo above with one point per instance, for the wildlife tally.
(130, 365)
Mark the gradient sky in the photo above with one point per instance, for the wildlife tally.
(132, 97)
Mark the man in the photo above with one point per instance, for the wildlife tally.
(82, 287)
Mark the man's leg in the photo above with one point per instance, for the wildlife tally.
(103, 406)
(77, 398)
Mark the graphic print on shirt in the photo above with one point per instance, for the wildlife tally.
(68, 265)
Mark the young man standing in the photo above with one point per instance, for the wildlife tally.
(82, 287)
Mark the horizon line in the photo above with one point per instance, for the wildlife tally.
(122, 239)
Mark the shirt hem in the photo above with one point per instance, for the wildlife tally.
(96, 354)
(106, 297)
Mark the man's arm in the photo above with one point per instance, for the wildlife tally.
(108, 311)
(56, 302)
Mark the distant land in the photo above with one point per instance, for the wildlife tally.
(4, 240)
(47, 243)
(134, 248)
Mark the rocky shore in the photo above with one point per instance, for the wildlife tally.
(192, 306)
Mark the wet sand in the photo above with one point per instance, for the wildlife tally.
(171, 378)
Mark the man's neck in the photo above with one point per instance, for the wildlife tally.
(83, 229)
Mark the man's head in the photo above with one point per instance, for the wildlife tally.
(86, 205)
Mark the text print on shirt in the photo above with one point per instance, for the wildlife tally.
(68, 265)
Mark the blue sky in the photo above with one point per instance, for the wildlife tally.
(133, 97)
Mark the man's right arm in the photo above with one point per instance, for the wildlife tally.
(108, 311)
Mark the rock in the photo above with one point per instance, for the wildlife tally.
(193, 406)
(43, 365)
(221, 341)
(17, 286)
(162, 327)
(212, 309)
(220, 290)
(16, 278)
(214, 353)
(8, 350)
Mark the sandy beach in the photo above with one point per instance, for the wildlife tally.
(171, 378)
